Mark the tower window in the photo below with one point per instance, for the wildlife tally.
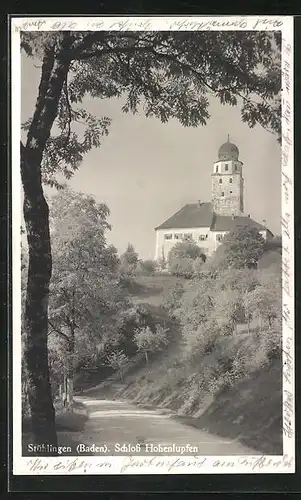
(230, 192)
(230, 180)
(168, 236)
(226, 167)
(235, 167)
(223, 194)
(220, 181)
(216, 169)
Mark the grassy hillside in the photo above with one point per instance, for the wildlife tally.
(153, 289)
(205, 396)
(271, 258)
(234, 391)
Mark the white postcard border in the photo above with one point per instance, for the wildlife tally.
(163, 465)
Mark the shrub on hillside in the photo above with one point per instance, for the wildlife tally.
(171, 301)
(273, 342)
(162, 263)
(202, 340)
(181, 267)
(117, 361)
(196, 303)
(129, 260)
(185, 259)
(130, 320)
(210, 309)
(148, 341)
(186, 249)
(228, 310)
(198, 266)
(240, 248)
(146, 267)
(264, 302)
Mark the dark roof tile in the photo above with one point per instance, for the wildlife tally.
(191, 215)
(201, 215)
(228, 223)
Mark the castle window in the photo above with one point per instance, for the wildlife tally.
(226, 167)
(178, 236)
(220, 181)
(203, 237)
(168, 236)
(219, 237)
(230, 192)
(235, 167)
(216, 169)
(230, 180)
(223, 194)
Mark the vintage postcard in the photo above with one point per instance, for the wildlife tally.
(153, 245)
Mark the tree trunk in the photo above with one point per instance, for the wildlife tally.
(36, 215)
(71, 366)
(69, 390)
(61, 392)
(65, 390)
(260, 324)
(70, 378)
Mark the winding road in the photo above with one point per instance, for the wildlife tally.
(115, 427)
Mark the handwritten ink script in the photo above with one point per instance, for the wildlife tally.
(39, 465)
(193, 23)
(287, 241)
(134, 465)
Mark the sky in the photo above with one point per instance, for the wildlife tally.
(145, 171)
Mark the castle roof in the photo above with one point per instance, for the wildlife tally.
(228, 151)
(228, 223)
(191, 215)
(195, 215)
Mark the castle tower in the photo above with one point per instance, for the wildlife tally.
(227, 181)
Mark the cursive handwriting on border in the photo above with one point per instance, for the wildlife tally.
(192, 23)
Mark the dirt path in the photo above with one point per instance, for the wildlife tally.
(111, 424)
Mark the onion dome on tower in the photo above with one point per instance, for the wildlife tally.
(228, 151)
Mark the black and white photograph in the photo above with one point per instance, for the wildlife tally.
(153, 291)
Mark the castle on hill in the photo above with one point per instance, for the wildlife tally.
(206, 223)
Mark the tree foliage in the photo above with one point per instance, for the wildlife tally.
(240, 248)
(181, 267)
(185, 259)
(264, 301)
(147, 267)
(165, 75)
(129, 260)
(186, 249)
(211, 307)
(117, 361)
(85, 294)
(151, 341)
(173, 296)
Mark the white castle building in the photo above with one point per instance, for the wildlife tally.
(207, 222)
